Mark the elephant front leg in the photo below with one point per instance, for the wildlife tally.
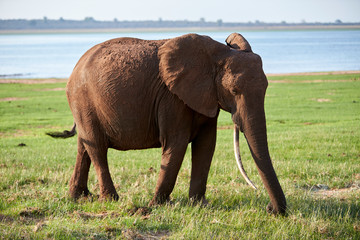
(171, 160)
(202, 147)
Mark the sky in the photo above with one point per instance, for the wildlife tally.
(291, 11)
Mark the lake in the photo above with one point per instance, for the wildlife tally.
(55, 54)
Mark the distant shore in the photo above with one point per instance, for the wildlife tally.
(59, 80)
(183, 29)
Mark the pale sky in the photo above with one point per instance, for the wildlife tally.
(211, 10)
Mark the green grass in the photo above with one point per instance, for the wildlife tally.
(314, 138)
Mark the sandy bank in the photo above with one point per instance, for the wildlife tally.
(59, 80)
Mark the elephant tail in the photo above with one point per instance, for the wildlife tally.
(64, 134)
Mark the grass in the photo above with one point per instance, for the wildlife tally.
(314, 141)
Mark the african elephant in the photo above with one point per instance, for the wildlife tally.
(129, 93)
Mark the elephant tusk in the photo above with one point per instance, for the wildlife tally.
(238, 158)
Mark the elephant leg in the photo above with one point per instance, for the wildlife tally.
(78, 182)
(172, 158)
(202, 148)
(95, 143)
(98, 156)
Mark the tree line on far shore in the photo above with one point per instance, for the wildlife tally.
(91, 23)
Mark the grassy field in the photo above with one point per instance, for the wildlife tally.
(314, 139)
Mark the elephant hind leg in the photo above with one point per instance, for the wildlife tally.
(78, 182)
(98, 155)
(92, 148)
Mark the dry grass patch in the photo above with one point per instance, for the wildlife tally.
(34, 81)
(10, 99)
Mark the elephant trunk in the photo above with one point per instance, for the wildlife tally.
(256, 136)
(238, 158)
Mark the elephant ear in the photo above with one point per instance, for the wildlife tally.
(187, 69)
(237, 41)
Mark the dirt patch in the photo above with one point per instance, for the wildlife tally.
(39, 226)
(34, 81)
(308, 81)
(86, 216)
(6, 218)
(17, 133)
(340, 193)
(50, 89)
(31, 212)
(140, 211)
(312, 73)
(10, 99)
(323, 100)
(131, 234)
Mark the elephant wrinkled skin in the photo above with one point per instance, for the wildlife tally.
(129, 93)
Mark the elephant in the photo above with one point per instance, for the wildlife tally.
(128, 93)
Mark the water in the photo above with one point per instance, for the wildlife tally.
(55, 55)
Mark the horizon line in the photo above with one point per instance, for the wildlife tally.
(92, 19)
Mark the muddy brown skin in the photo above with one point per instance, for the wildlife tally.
(129, 93)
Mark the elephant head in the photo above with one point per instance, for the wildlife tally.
(207, 75)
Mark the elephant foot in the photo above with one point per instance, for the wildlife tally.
(199, 200)
(76, 193)
(275, 211)
(113, 196)
(159, 200)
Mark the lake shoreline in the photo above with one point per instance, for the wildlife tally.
(190, 29)
(60, 80)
